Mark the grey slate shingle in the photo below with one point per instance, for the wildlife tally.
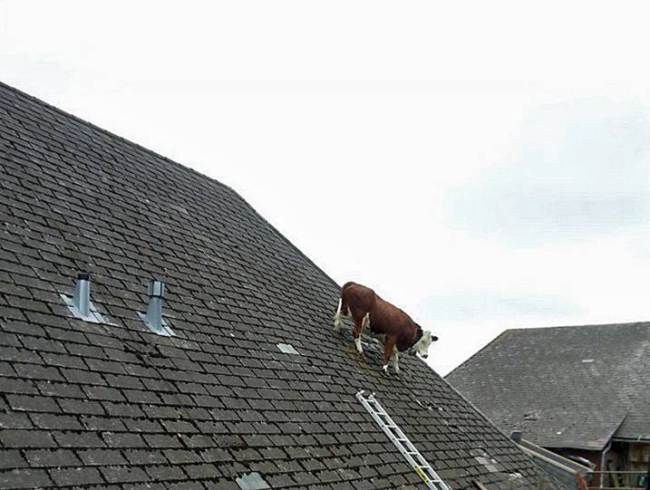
(564, 386)
(24, 478)
(219, 400)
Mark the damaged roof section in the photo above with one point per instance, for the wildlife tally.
(118, 406)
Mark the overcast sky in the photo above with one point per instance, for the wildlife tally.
(483, 165)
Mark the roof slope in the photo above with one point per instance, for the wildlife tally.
(115, 406)
(564, 386)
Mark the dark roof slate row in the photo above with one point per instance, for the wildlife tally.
(115, 406)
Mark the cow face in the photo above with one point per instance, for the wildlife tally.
(422, 346)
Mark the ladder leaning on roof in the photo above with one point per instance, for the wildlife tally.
(399, 439)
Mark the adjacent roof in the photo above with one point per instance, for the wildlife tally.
(574, 387)
(116, 406)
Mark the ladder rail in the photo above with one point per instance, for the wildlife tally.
(391, 436)
(387, 428)
(422, 468)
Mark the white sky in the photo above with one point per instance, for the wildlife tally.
(483, 165)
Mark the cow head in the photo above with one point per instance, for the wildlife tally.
(421, 347)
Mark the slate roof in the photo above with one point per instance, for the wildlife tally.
(114, 406)
(574, 387)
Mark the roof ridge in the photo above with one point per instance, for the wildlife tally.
(586, 325)
(289, 242)
(525, 329)
(106, 132)
(477, 353)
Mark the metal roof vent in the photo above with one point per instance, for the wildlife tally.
(79, 304)
(81, 298)
(153, 319)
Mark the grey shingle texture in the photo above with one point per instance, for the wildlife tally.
(115, 406)
(570, 387)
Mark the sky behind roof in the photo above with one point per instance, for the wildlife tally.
(483, 166)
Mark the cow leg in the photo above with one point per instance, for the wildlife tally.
(359, 325)
(337, 317)
(389, 346)
(395, 358)
(342, 310)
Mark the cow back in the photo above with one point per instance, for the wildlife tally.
(358, 298)
(388, 319)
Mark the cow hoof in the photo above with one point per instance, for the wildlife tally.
(357, 343)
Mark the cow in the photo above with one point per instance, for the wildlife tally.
(400, 332)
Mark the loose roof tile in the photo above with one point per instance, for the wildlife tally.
(119, 407)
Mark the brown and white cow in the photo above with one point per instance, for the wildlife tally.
(400, 332)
